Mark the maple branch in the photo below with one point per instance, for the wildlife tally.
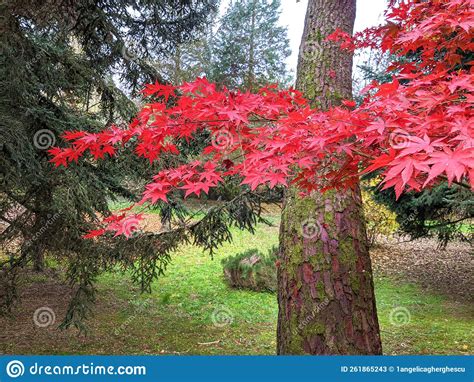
(360, 153)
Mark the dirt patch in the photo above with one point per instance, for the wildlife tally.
(45, 294)
(447, 271)
(34, 320)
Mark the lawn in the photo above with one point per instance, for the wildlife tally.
(192, 311)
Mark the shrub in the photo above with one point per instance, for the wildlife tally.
(380, 221)
(252, 270)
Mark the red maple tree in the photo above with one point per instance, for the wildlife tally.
(415, 131)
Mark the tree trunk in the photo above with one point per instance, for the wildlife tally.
(325, 288)
(38, 262)
(251, 70)
(36, 247)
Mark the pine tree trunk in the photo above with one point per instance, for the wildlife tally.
(38, 263)
(251, 70)
(36, 248)
(326, 296)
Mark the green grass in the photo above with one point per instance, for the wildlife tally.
(436, 325)
(466, 228)
(184, 300)
(177, 317)
(192, 291)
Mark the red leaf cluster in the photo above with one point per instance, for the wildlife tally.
(416, 130)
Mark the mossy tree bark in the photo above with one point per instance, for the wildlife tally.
(326, 296)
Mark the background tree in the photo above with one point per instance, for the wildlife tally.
(442, 212)
(250, 47)
(325, 293)
(60, 63)
(189, 60)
